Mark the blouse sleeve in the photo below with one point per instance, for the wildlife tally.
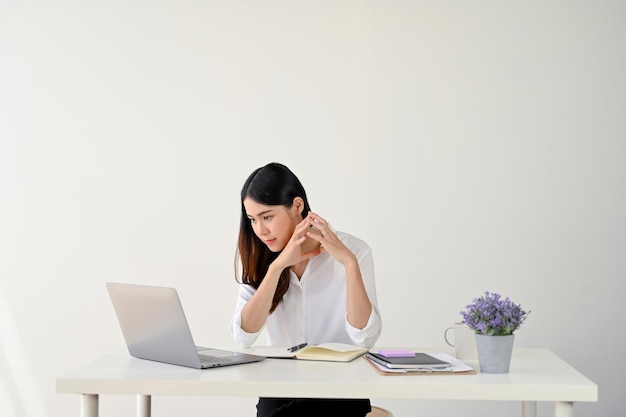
(242, 337)
(367, 336)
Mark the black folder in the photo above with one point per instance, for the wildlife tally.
(419, 361)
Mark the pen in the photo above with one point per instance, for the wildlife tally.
(296, 347)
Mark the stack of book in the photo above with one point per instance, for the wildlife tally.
(394, 361)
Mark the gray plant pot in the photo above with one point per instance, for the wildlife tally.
(494, 353)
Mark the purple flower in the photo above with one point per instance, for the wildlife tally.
(491, 315)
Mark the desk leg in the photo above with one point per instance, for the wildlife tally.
(529, 408)
(563, 409)
(89, 405)
(144, 406)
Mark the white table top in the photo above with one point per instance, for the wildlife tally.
(535, 375)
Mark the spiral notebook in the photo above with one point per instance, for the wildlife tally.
(419, 361)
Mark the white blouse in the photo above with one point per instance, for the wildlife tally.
(313, 309)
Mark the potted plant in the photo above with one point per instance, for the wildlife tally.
(494, 319)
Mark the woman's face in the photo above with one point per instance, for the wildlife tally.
(274, 225)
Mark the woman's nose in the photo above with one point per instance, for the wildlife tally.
(261, 230)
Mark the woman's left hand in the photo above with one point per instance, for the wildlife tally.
(328, 239)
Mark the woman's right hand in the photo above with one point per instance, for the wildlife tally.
(293, 252)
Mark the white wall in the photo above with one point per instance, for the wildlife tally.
(475, 145)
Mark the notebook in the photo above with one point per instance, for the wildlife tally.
(419, 361)
(155, 328)
(332, 352)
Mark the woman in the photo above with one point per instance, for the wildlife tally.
(301, 281)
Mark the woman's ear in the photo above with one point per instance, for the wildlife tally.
(298, 205)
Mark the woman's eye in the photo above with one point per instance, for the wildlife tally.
(266, 218)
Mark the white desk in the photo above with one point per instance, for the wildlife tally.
(535, 375)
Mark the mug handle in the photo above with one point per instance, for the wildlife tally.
(445, 336)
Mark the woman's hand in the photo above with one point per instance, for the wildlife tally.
(328, 239)
(298, 249)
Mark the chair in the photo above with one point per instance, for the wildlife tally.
(379, 412)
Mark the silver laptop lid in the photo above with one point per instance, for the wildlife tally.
(154, 324)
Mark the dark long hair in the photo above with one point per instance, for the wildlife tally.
(273, 185)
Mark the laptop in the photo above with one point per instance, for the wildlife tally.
(155, 328)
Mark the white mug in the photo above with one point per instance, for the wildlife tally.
(464, 342)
